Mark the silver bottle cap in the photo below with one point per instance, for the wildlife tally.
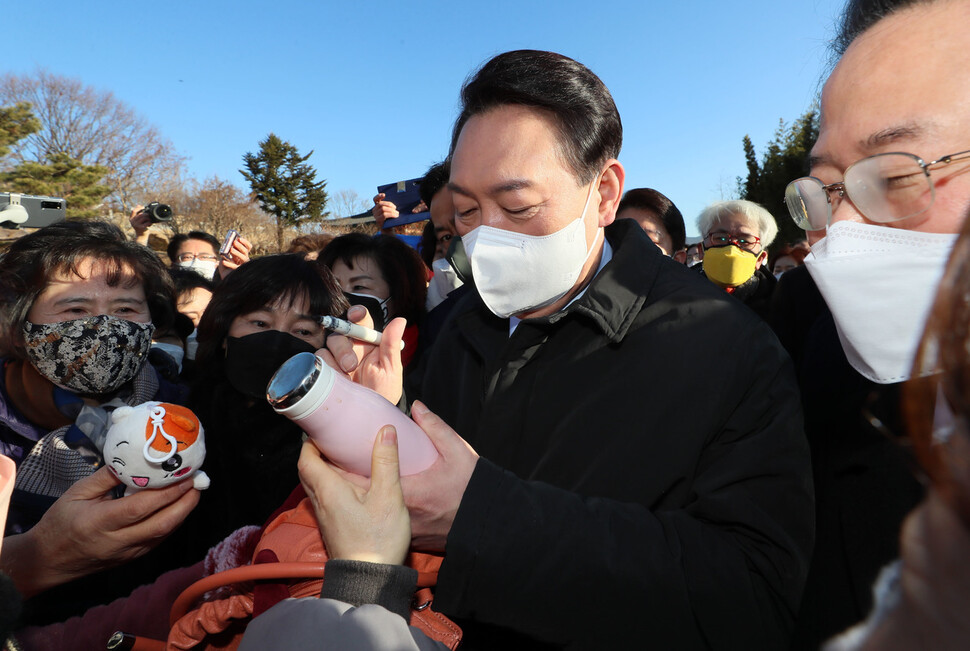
(293, 380)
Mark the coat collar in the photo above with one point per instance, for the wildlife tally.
(611, 302)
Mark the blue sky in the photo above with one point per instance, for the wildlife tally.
(373, 87)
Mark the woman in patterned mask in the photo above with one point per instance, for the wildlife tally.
(79, 306)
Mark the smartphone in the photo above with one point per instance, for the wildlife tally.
(226, 247)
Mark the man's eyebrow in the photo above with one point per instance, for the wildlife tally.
(511, 185)
(878, 140)
(892, 134)
(128, 299)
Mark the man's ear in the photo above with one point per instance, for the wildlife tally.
(762, 259)
(610, 191)
(680, 256)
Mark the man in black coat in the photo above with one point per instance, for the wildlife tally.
(602, 497)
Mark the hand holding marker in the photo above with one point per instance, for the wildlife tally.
(352, 330)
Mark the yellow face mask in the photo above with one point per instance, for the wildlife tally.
(729, 266)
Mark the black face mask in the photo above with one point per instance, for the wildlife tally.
(374, 305)
(252, 360)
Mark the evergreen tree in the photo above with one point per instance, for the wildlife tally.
(58, 175)
(16, 123)
(785, 159)
(285, 185)
(80, 185)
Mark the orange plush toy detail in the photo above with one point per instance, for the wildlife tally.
(155, 444)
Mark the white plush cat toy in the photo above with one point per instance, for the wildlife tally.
(155, 444)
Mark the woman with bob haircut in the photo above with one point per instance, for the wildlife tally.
(383, 274)
(262, 314)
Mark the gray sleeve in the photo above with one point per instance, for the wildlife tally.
(325, 624)
(359, 583)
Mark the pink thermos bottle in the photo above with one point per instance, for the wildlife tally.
(343, 418)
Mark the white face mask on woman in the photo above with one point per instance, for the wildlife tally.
(516, 273)
(879, 283)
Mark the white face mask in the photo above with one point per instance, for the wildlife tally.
(192, 344)
(880, 284)
(205, 268)
(444, 281)
(517, 273)
(173, 351)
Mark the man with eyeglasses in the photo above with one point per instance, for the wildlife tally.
(889, 187)
(736, 235)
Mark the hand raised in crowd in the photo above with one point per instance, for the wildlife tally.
(140, 221)
(378, 368)
(86, 531)
(383, 210)
(238, 255)
(360, 523)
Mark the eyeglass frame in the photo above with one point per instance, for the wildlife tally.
(189, 256)
(839, 186)
(733, 240)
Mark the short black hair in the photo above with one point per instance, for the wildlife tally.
(590, 130)
(859, 15)
(434, 179)
(401, 266)
(29, 264)
(657, 203)
(176, 243)
(187, 279)
(262, 282)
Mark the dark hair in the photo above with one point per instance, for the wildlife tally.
(314, 242)
(650, 200)
(859, 15)
(434, 179)
(400, 265)
(428, 244)
(590, 131)
(176, 243)
(263, 282)
(186, 279)
(29, 264)
(944, 362)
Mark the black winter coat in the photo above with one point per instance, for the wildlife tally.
(644, 479)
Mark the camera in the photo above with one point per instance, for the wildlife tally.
(158, 212)
(28, 211)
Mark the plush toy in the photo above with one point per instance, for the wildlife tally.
(155, 444)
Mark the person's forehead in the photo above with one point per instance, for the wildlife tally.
(505, 146)
(735, 223)
(901, 86)
(193, 245)
(644, 218)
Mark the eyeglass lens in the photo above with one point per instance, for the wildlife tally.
(884, 188)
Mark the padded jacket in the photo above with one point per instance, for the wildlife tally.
(644, 477)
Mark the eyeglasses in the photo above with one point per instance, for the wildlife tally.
(744, 242)
(884, 188)
(189, 257)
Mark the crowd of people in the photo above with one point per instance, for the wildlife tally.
(641, 442)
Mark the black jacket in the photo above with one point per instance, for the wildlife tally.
(863, 475)
(644, 479)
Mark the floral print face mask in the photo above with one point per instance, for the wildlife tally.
(94, 355)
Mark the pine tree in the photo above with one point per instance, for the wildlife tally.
(785, 159)
(80, 185)
(58, 175)
(16, 123)
(285, 185)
